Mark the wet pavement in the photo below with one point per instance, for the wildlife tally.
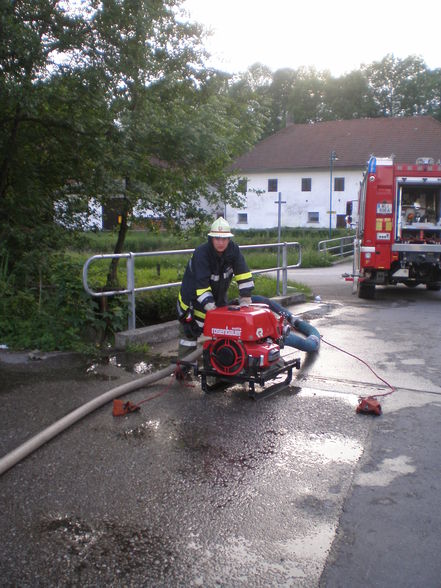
(219, 490)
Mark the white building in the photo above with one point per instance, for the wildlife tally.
(317, 168)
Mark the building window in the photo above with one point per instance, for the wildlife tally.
(339, 184)
(313, 217)
(306, 184)
(242, 218)
(272, 185)
(242, 186)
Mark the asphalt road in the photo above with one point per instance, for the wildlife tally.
(195, 490)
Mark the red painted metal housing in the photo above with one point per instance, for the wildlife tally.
(399, 224)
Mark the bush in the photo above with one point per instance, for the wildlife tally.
(55, 313)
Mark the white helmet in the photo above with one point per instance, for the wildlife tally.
(220, 228)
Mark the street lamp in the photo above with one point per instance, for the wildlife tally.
(333, 157)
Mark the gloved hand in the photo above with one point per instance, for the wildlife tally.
(244, 301)
(209, 306)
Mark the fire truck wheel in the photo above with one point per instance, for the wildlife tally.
(435, 286)
(366, 290)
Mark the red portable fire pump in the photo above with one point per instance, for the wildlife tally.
(244, 346)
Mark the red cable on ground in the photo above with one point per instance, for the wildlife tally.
(366, 404)
(392, 388)
(154, 396)
(121, 408)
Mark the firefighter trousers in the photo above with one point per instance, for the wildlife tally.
(187, 343)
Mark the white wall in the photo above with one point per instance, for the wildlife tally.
(262, 210)
(90, 219)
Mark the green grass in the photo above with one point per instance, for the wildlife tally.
(152, 270)
(104, 242)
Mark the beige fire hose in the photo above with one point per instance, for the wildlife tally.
(22, 451)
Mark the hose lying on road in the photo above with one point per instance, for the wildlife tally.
(22, 451)
(311, 340)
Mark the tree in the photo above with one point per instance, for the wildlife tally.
(45, 122)
(306, 100)
(280, 93)
(401, 87)
(297, 97)
(391, 87)
(347, 97)
(434, 93)
(175, 128)
(111, 100)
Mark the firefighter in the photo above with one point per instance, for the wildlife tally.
(206, 281)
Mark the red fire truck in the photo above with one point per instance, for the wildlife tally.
(398, 238)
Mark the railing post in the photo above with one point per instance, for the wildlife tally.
(131, 287)
(284, 270)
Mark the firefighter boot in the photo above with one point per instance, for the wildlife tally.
(185, 347)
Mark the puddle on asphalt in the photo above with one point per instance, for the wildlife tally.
(73, 531)
(316, 448)
(243, 553)
(311, 546)
(288, 563)
(143, 430)
(113, 548)
(113, 360)
(140, 363)
(142, 367)
(349, 399)
(387, 471)
(132, 362)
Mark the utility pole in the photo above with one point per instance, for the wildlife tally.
(279, 203)
(333, 157)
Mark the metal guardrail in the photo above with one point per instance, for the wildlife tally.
(338, 247)
(131, 289)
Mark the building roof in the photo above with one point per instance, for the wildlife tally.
(303, 146)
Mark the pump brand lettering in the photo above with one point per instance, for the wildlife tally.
(233, 332)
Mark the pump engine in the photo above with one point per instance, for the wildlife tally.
(244, 346)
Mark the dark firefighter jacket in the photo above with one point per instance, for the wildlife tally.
(208, 276)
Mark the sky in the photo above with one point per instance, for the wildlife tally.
(336, 35)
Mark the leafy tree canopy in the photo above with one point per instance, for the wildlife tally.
(106, 99)
(390, 87)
